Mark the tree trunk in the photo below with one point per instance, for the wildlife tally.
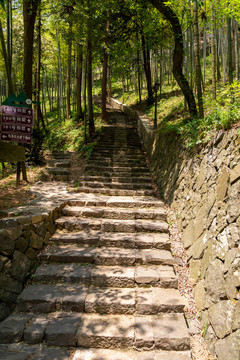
(109, 83)
(69, 72)
(37, 108)
(147, 69)
(79, 81)
(60, 80)
(197, 58)
(178, 54)
(236, 36)
(9, 33)
(230, 62)
(213, 48)
(89, 83)
(6, 60)
(105, 68)
(29, 16)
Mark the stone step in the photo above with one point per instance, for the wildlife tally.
(106, 256)
(22, 351)
(119, 151)
(59, 163)
(163, 332)
(117, 169)
(108, 276)
(46, 298)
(103, 354)
(108, 179)
(117, 201)
(117, 157)
(112, 225)
(60, 154)
(115, 192)
(124, 240)
(57, 171)
(166, 332)
(112, 185)
(120, 162)
(115, 213)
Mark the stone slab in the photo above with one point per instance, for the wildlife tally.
(11, 329)
(157, 300)
(62, 330)
(170, 332)
(113, 276)
(34, 332)
(106, 331)
(111, 301)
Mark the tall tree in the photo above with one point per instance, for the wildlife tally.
(213, 49)
(197, 58)
(6, 51)
(178, 54)
(29, 16)
(89, 73)
(105, 69)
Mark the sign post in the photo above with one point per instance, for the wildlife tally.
(17, 125)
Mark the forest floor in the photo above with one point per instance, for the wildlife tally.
(12, 195)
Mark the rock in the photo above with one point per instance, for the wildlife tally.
(233, 211)
(235, 174)
(229, 259)
(6, 244)
(222, 245)
(12, 233)
(233, 234)
(207, 257)
(194, 271)
(200, 295)
(47, 237)
(236, 317)
(12, 285)
(21, 244)
(222, 184)
(199, 246)
(41, 230)
(31, 253)
(36, 241)
(20, 266)
(215, 285)
(3, 261)
(188, 235)
(200, 221)
(229, 348)
(5, 310)
(221, 317)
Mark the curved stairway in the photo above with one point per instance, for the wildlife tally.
(106, 287)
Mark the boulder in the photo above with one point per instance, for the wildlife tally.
(229, 348)
(221, 317)
(215, 285)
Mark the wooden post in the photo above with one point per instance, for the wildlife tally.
(18, 172)
(24, 172)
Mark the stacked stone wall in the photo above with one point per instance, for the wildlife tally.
(21, 240)
(203, 186)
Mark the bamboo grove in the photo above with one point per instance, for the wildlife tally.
(68, 54)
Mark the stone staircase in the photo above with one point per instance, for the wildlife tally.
(106, 287)
(58, 164)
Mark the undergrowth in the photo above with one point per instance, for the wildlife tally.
(173, 116)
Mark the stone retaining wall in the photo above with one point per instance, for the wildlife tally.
(203, 186)
(21, 239)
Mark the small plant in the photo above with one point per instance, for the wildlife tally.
(204, 330)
